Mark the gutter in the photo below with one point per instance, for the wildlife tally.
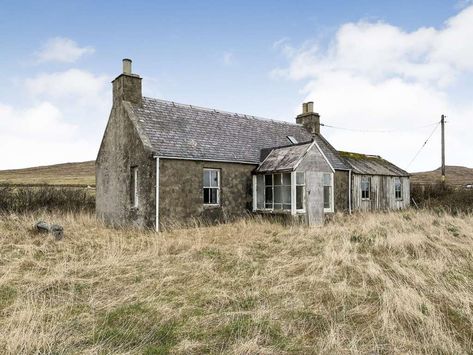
(349, 191)
(157, 193)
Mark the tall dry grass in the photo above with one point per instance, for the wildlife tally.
(376, 283)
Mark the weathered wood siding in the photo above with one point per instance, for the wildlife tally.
(314, 165)
(381, 195)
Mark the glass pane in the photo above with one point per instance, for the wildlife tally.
(206, 178)
(278, 206)
(286, 178)
(214, 180)
(269, 195)
(277, 194)
(300, 178)
(268, 179)
(286, 194)
(206, 195)
(277, 179)
(286, 207)
(299, 197)
(213, 196)
(327, 179)
(327, 197)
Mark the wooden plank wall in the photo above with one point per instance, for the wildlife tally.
(382, 194)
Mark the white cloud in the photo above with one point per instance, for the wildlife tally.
(60, 49)
(375, 75)
(63, 121)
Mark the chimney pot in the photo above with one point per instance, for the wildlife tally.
(310, 106)
(126, 66)
(304, 107)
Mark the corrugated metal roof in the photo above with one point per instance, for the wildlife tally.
(371, 165)
(284, 158)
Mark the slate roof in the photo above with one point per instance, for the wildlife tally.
(284, 158)
(371, 165)
(190, 132)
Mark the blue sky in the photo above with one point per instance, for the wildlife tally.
(366, 64)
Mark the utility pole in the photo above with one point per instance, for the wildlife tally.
(442, 122)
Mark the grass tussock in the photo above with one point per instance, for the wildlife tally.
(23, 199)
(377, 283)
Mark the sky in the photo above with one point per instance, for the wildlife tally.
(382, 72)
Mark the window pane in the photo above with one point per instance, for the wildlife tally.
(277, 194)
(268, 179)
(278, 206)
(327, 196)
(327, 179)
(206, 195)
(300, 178)
(286, 206)
(269, 195)
(286, 194)
(213, 196)
(299, 197)
(286, 179)
(214, 181)
(206, 178)
(277, 179)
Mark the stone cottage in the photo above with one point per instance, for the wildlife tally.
(162, 162)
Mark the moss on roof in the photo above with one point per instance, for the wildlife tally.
(357, 156)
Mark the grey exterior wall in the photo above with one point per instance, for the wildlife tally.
(381, 195)
(121, 149)
(181, 191)
(314, 165)
(341, 190)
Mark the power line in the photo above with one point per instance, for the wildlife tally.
(379, 130)
(423, 145)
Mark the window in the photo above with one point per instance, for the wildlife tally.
(134, 186)
(277, 191)
(328, 192)
(397, 188)
(292, 139)
(300, 191)
(365, 187)
(211, 186)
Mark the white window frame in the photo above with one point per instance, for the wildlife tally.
(332, 194)
(400, 189)
(211, 187)
(300, 210)
(293, 209)
(135, 186)
(369, 188)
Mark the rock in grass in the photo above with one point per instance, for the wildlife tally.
(55, 229)
(42, 227)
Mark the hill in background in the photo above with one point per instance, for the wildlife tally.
(73, 174)
(455, 176)
(83, 174)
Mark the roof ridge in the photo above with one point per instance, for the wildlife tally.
(242, 115)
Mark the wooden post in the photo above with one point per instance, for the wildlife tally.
(442, 121)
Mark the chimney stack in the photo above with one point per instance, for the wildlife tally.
(308, 118)
(127, 86)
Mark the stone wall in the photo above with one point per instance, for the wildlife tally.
(122, 149)
(181, 191)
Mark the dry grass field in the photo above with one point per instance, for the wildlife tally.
(377, 283)
(75, 174)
